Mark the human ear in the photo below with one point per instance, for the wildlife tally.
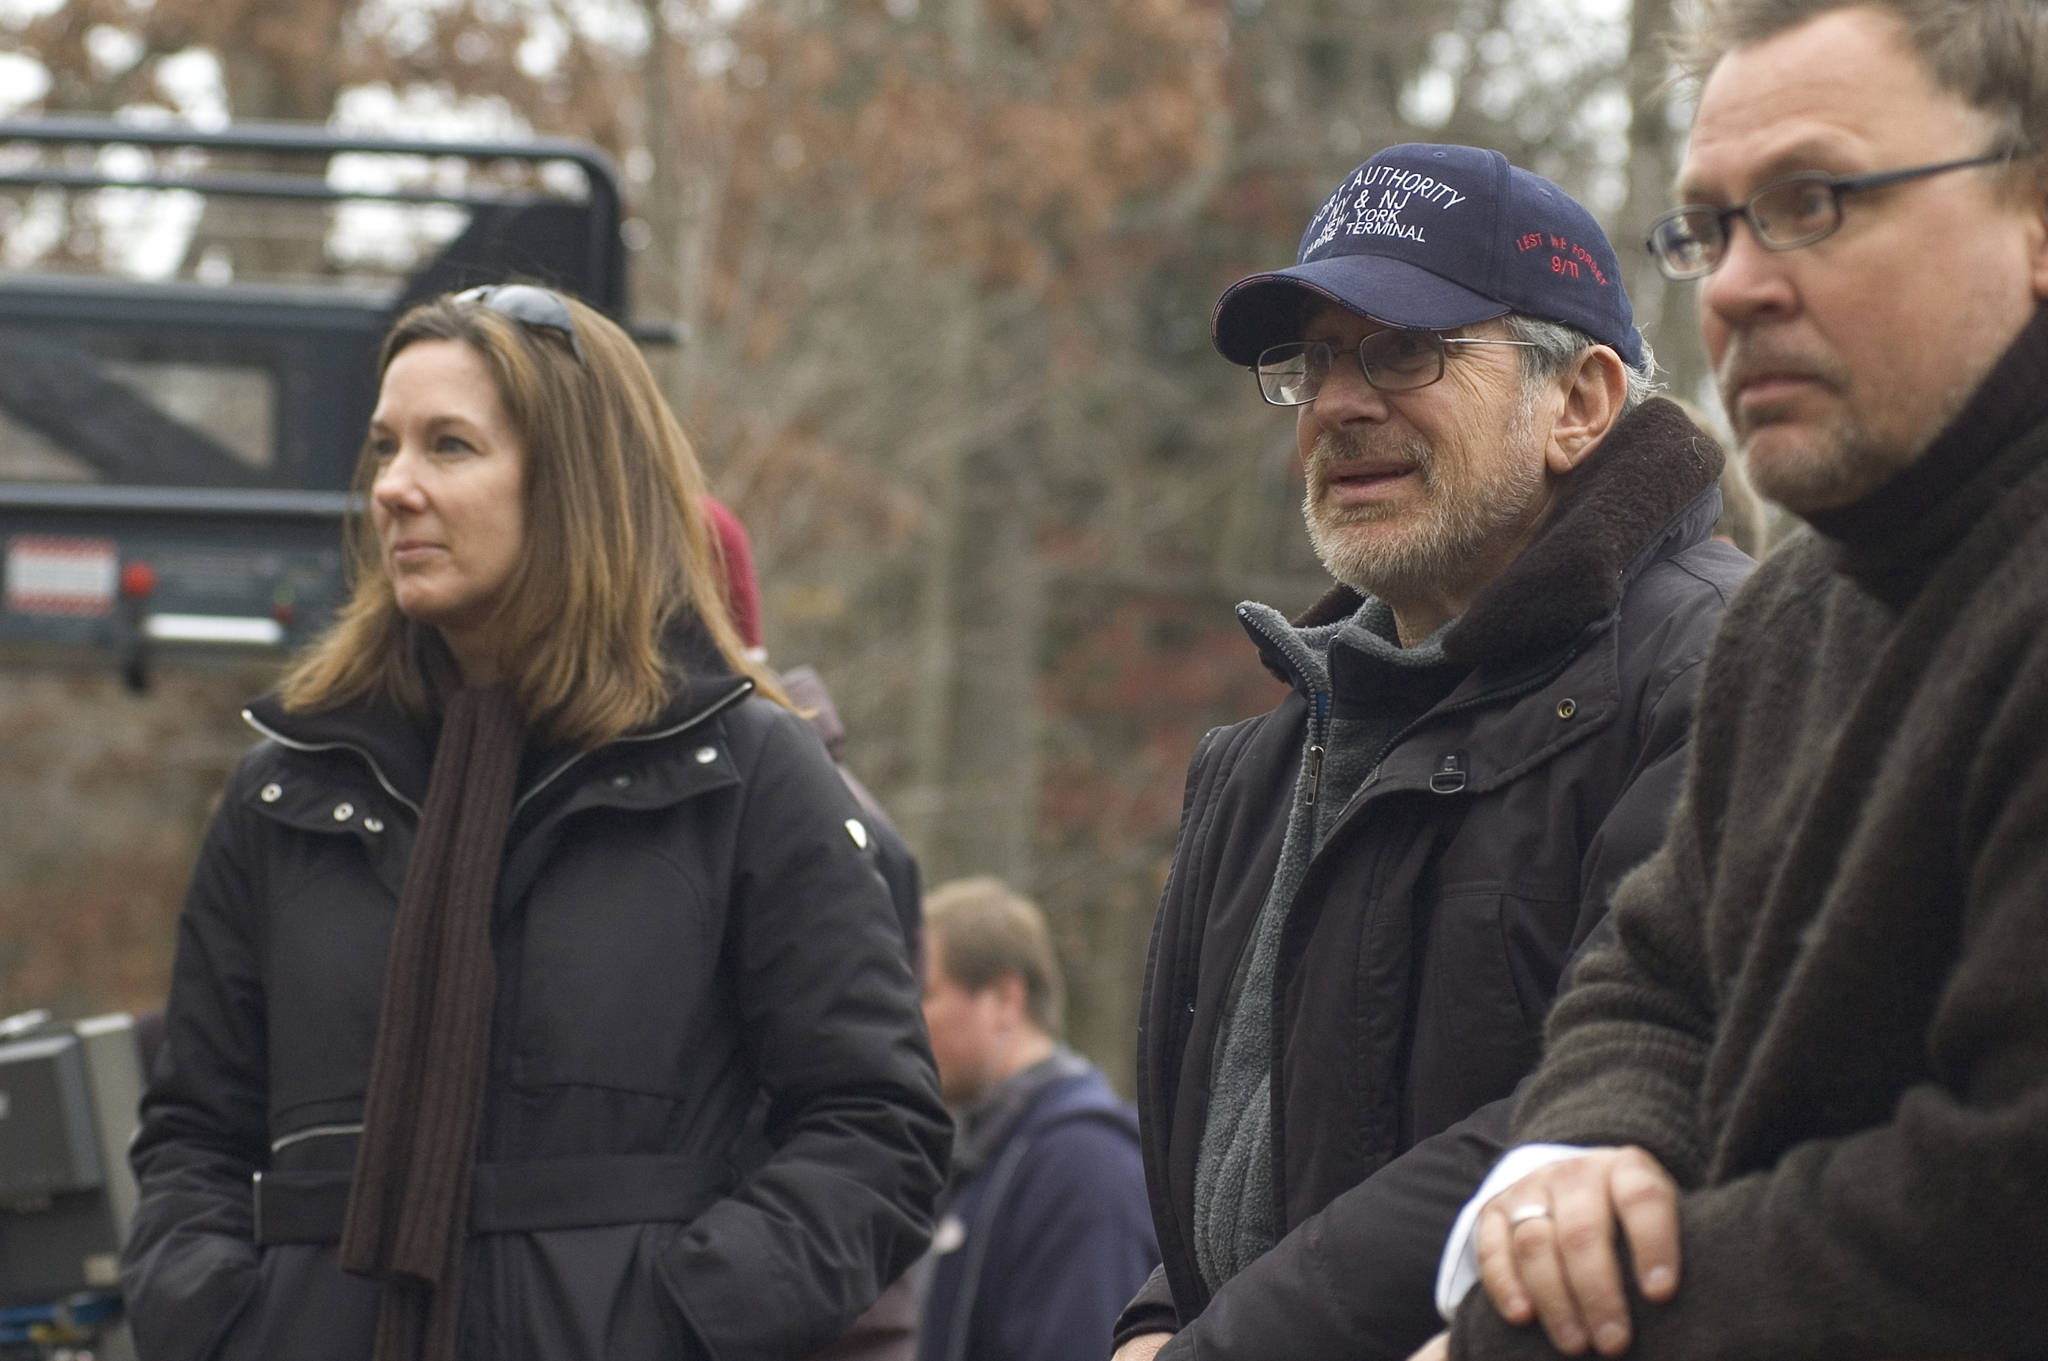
(2037, 227)
(1593, 394)
(1011, 996)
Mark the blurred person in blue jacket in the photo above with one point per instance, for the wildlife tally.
(1048, 1232)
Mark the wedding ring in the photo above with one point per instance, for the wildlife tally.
(1522, 1214)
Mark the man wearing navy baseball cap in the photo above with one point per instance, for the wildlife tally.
(1382, 882)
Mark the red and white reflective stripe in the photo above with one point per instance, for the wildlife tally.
(62, 576)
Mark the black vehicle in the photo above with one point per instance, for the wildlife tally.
(188, 332)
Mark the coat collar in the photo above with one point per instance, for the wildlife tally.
(1651, 488)
(399, 747)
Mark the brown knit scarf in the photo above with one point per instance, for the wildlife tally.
(408, 1212)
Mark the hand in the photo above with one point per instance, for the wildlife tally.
(1143, 1347)
(1556, 1263)
(1437, 1348)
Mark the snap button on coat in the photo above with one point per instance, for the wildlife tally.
(1566, 708)
(344, 811)
(706, 755)
(373, 824)
(271, 793)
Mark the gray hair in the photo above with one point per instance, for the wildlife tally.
(1991, 54)
(1555, 347)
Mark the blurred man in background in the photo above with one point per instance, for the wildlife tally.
(1047, 1232)
(1380, 884)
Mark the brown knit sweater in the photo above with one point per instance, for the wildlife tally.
(1827, 1013)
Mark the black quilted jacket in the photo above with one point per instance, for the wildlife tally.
(712, 1126)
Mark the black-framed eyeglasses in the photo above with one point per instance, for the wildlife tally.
(1785, 214)
(529, 304)
(1392, 361)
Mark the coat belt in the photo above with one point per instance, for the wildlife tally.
(548, 1193)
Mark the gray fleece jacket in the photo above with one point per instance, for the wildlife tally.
(1391, 687)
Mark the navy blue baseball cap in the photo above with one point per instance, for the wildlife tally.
(1437, 237)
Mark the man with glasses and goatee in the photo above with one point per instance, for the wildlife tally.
(1808, 1085)
(1381, 883)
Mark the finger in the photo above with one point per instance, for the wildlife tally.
(1646, 1200)
(1584, 1231)
(1533, 1244)
(1497, 1269)
(1437, 1348)
(1143, 1347)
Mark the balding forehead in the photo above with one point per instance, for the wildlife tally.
(1842, 94)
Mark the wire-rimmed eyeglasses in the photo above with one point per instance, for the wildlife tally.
(1392, 361)
(1785, 214)
(530, 305)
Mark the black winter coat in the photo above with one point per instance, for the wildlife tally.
(711, 1126)
(1434, 924)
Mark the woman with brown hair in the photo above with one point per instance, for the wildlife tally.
(535, 995)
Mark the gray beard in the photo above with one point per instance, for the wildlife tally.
(1453, 529)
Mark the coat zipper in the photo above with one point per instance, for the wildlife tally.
(1317, 735)
(296, 745)
(704, 715)
(299, 1136)
(1318, 720)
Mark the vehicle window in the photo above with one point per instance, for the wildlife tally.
(207, 315)
(80, 404)
(234, 405)
(28, 455)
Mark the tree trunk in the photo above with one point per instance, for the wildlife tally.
(972, 808)
(1667, 311)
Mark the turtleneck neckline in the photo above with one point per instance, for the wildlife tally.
(1892, 539)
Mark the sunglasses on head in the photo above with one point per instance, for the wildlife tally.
(529, 305)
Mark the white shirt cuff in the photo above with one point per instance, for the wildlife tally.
(1458, 1272)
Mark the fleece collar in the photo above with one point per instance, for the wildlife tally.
(1299, 653)
(1652, 486)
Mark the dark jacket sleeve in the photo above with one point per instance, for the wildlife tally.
(898, 868)
(1149, 1311)
(825, 993)
(1355, 1281)
(1079, 1234)
(1637, 822)
(190, 1264)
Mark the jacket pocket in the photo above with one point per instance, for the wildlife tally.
(590, 1294)
(306, 1308)
(647, 1321)
(1478, 1030)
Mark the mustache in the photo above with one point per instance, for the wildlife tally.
(1754, 353)
(1332, 448)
